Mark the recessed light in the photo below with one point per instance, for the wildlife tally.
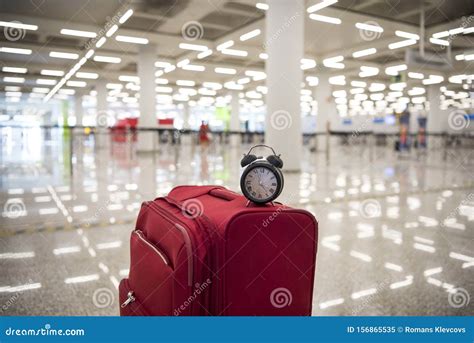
(129, 39)
(125, 17)
(78, 33)
(325, 19)
(229, 71)
(14, 79)
(107, 59)
(251, 34)
(84, 75)
(17, 25)
(193, 47)
(14, 70)
(16, 50)
(65, 55)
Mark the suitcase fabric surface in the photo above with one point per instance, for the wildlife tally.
(204, 250)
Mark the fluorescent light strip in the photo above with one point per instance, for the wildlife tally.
(393, 70)
(187, 83)
(358, 84)
(228, 71)
(194, 67)
(193, 47)
(204, 54)
(84, 75)
(407, 35)
(456, 31)
(225, 45)
(262, 6)
(48, 82)
(250, 35)
(14, 70)
(182, 63)
(111, 31)
(402, 44)
(129, 78)
(368, 27)
(439, 41)
(126, 16)
(325, 19)
(12, 88)
(365, 52)
(107, 59)
(78, 33)
(100, 42)
(321, 5)
(16, 50)
(233, 52)
(48, 72)
(129, 39)
(413, 75)
(76, 84)
(17, 25)
(14, 79)
(335, 59)
(441, 34)
(64, 55)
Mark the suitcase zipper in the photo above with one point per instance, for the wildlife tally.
(187, 241)
(139, 233)
(130, 299)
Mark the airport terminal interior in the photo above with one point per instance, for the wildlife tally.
(107, 104)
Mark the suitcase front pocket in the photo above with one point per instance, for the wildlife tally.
(151, 277)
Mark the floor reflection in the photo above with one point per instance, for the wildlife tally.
(395, 235)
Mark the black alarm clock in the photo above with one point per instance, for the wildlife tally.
(262, 180)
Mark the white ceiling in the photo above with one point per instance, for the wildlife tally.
(162, 21)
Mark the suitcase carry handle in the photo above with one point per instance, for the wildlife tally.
(223, 193)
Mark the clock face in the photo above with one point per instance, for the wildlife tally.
(261, 184)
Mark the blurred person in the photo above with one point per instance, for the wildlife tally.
(204, 134)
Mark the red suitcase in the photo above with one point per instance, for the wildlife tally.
(204, 250)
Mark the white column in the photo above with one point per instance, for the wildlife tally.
(186, 138)
(78, 109)
(437, 118)
(102, 115)
(327, 112)
(146, 73)
(284, 46)
(234, 126)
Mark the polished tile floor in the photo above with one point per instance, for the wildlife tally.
(396, 230)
